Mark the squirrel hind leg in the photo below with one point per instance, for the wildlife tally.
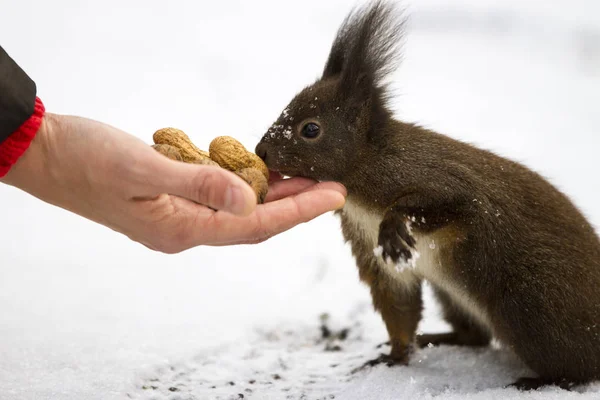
(465, 330)
(528, 384)
(438, 339)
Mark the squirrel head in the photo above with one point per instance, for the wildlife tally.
(322, 132)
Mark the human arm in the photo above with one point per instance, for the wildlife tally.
(108, 176)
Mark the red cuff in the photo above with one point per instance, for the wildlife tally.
(18, 142)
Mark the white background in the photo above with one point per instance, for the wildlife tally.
(83, 310)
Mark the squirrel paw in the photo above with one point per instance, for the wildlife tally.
(386, 359)
(528, 384)
(395, 241)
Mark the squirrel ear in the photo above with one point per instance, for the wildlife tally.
(366, 50)
(335, 63)
(357, 90)
(337, 55)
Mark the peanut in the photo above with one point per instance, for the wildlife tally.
(177, 138)
(169, 151)
(206, 161)
(232, 155)
(225, 152)
(257, 181)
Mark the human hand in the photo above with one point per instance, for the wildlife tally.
(113, 178)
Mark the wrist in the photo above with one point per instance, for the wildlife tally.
(17, 144)
(30, 167)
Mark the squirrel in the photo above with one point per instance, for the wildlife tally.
(508, 255)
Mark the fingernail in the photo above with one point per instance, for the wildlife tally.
(343, 190)
(341, 203)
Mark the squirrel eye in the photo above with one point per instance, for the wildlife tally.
(310, 130)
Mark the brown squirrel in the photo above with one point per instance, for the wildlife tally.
(509, 256)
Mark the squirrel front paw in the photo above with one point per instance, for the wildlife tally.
(395, 241)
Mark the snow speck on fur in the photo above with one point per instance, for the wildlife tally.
(378, 251)
(411, 263)
(288, 132)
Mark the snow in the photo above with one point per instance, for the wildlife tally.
(285, 131)
(288, 132)
(296, 361)
(378, 251)
(87, 314)
(402, 263)
(411, 263)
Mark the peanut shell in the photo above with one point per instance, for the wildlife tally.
(168, 151)
(205, 161)
(230, 154)
(257, 181)
(259, 164)
(177, 138)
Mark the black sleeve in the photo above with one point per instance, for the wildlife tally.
(17, 96)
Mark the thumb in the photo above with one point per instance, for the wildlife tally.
(208, 185)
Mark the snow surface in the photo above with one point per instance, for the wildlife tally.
(296, 361)
(87, 314)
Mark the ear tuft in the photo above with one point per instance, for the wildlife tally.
(366, 49)
(339, 49)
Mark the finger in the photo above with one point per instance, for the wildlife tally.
(270, 219)
(287, 187)
(303, 185)
(274, 176)
(336, 186)
(194, 225)
(208, 185)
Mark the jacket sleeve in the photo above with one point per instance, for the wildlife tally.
(17, 96)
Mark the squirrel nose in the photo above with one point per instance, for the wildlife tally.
(261, 151)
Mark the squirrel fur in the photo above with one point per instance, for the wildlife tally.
(509, 256)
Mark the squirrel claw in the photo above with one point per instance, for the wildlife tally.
(386, 359)
(395, 240)
(528, 384)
